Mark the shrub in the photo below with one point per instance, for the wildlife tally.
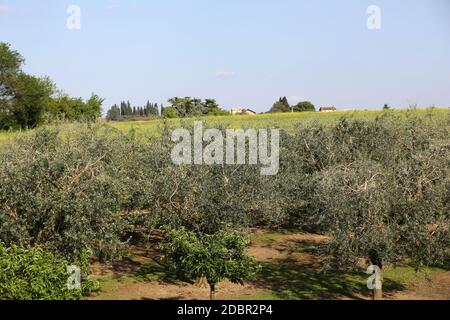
(30, 273)
(304, 106)
(170, 113)
(216, 256)
(62, 190)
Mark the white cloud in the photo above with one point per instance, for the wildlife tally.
(295, 99)
(3, 8)
(225, 74)
(111, 7)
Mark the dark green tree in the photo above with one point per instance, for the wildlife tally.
(31, 95)
(113, 113)
(282, 105)
(211, 108)
(304, 106)
(23, 98)
(169, 113)
(191, 107)
(75, 109)
(215, 256)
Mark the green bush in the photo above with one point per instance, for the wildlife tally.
(170, 113)
(62, 190)
(34, 274)
(216, 256)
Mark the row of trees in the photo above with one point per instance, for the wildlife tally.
(282, 105)
(179, 108)
(125, 110)
(192, 107)
(27, 101)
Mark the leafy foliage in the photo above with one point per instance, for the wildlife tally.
(215, 256)
(304, 106)
(23, 97)
(86, 186)
(170, 113)
(189, 107)
(33, 274)
(61, 192)
(282, 105)
(380, 188)
(75, 109)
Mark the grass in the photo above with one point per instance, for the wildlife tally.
(4, 136)
(284, 282)
(288, 121)
(269, 238)
(147, 272)
(285, 279)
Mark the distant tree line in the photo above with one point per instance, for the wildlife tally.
(126, 111)
(178, 108)
(192, 107)
(282, 105)
(26, 100)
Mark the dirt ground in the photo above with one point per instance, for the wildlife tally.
(439, 289)
(294, 276)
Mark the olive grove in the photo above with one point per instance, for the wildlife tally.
(379, 188)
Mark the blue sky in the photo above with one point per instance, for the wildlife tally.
(242, 52)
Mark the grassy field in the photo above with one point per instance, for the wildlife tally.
(288, 121)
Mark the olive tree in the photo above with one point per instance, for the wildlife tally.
(205, 197)
(215, 256)
(380, 190)
(64, 189)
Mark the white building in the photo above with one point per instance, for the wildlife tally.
(238, 111)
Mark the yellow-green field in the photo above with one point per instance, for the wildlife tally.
(288, 121)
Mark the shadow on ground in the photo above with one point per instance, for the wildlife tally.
(296, 274)
(286, 281)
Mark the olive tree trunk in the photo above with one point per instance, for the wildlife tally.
(378, 291)
(377, 261)
(201, 282)
(213, 291)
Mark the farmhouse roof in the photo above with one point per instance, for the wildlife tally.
(328, 108)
